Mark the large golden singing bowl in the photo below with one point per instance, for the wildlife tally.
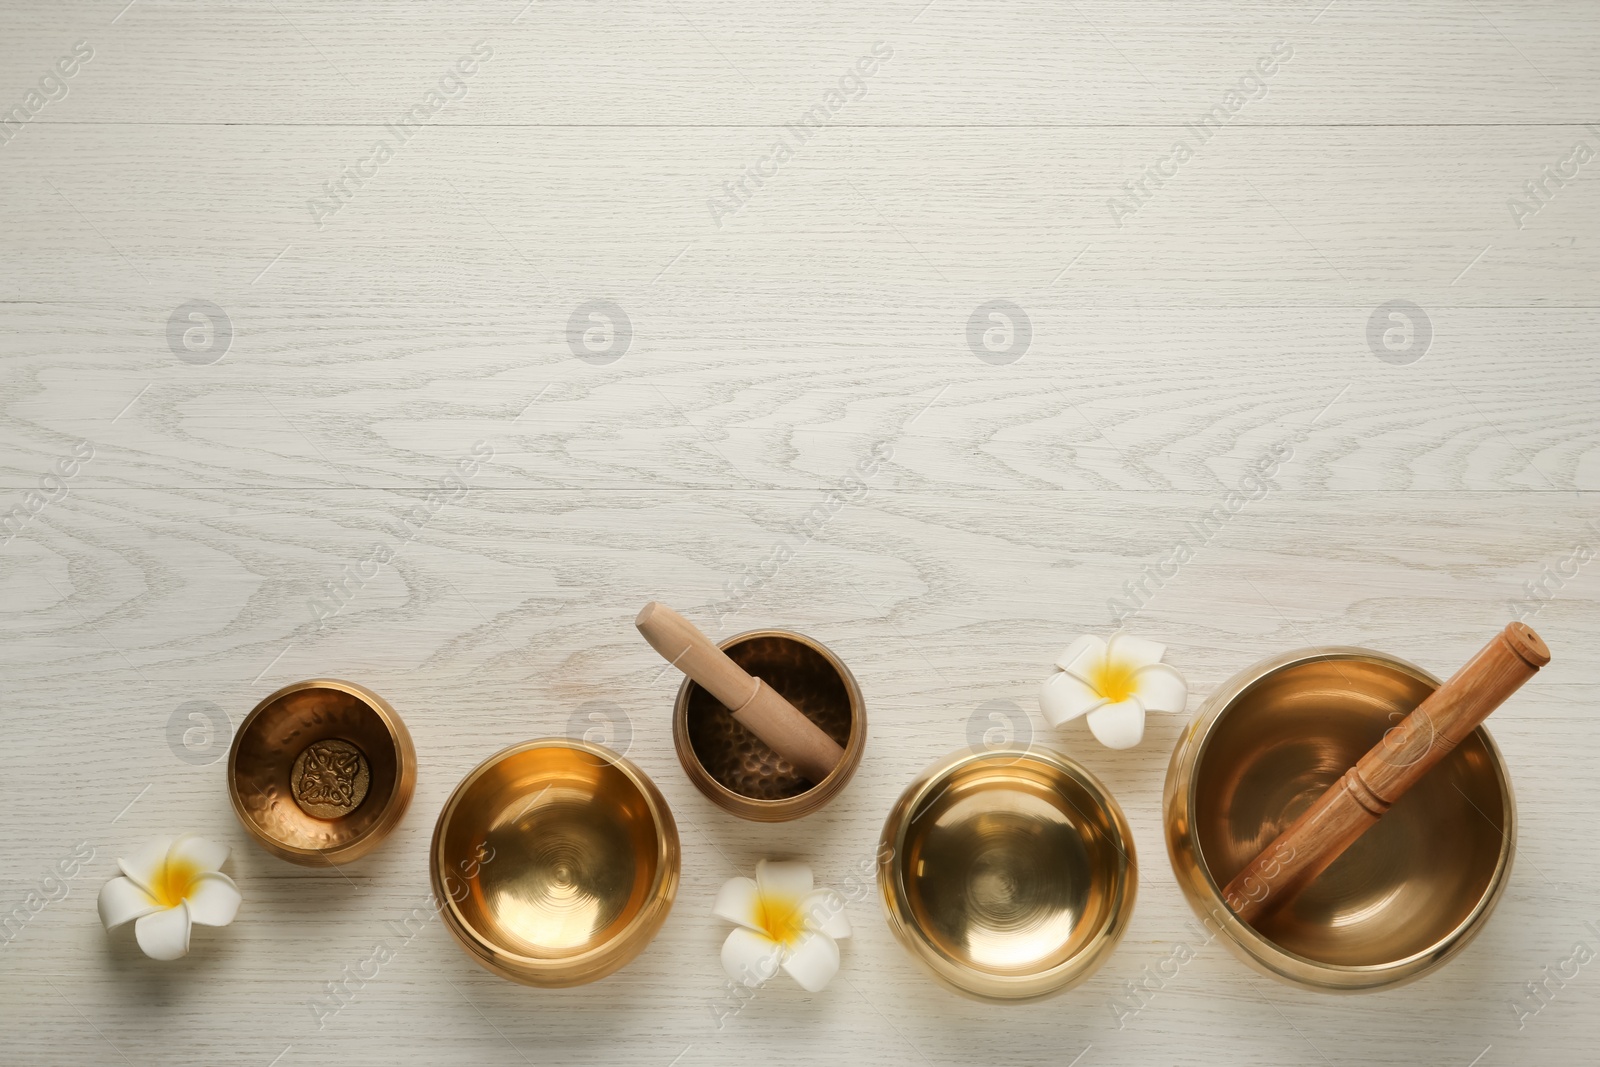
(732, 766)
(1009, 874)
(1409, 894)
(554, 862)
(321, 771)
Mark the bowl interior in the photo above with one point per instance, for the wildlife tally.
(1406, 884)
(733, 756)
(549, 852)
(316, 768)
(1010, 865)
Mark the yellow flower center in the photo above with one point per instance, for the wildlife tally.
(173, 881)
(1114, 680)
(782, 919)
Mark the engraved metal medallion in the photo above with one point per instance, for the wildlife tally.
(330, 779)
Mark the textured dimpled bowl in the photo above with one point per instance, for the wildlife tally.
(1409, 894)
(1009, 874)
(321, 771)
(555, 862)
(732, 767)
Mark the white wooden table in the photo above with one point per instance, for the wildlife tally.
(349, 344)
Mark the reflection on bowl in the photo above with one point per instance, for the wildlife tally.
(1010, 873)
(555, 862)
(1409, 894)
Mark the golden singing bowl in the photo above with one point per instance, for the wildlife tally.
(1009, 874)
(1409, 894)
(554, 862)
(732, 767)
(321, 771)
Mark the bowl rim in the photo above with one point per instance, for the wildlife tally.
(1261, 953)
(758, 809)
(962, 977)
(641, 928)
(394, 805)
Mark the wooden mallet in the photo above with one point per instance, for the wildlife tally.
(761, 709)
(1352, 805)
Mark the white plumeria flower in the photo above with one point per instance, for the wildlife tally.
(168, 886)
(784, 922)
(1115, 683)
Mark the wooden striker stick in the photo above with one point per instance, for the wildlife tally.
(754, 704)
(1353, 804)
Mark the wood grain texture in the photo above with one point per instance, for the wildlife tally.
(181, 571)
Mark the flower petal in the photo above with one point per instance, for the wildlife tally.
(213, 900)
(205, 855)
(121, 900)
(1089, 653)
(739, 901)
(1078, 646)
(1159, 687)
(1118, 725)
(784, 881)
(145, 864)
(1063, 697)
(824, 912)
(814, 962)
(750, 958)
(1135, 651)
(164, 934)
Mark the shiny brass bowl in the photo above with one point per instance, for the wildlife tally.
(321, 771)
(1009, 874)
(1409, 895)
(730, 765)
(554, 862)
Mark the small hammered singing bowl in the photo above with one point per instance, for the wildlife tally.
(732, 767)
(1409, 894)
(1009, 874)
(554, 862)
(321, 771)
